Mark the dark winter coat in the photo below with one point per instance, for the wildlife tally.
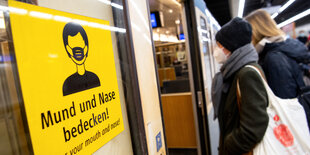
(280, 62)
(241, 130)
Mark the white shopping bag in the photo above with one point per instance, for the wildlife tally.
(287, 132)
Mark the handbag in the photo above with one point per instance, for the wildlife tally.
(287, 131)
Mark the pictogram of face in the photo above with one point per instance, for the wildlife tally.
(75, 42)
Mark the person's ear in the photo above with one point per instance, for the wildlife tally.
(86, 49)
(69, 50)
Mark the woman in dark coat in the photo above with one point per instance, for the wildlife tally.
(279, 57)
(240, 129)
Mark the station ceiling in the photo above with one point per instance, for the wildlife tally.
(222, 12)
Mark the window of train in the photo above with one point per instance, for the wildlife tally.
(169, 41)
(14, 134)
(168, 22)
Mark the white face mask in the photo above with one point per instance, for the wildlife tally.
(219, 55)
(302, 34)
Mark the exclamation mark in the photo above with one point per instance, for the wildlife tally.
(107, 113)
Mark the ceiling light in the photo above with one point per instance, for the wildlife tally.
(2, 23)
(301, 15)
(112, 4)
(167, 32)
(286, 5)
(170, 10)
(274, 15)
(241, 8)
(282, 8)
(177, 21)
(176, 2)
(156, 37)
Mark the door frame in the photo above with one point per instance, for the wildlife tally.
(197, 82)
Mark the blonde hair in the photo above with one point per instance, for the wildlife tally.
(262, 25)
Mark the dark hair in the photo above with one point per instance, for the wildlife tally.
(73, 29)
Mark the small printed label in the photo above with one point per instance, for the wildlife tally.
(158, 141)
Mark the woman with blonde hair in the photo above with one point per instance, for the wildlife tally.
(279, 56)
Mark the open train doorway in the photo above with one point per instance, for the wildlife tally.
(183, 107)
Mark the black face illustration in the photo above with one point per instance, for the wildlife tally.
(76, 45)
(75, 42)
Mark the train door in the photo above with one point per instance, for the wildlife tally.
(181, 82)
(205, 26)
(202, 29)
(207, 68)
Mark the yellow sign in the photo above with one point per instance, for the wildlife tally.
(68, 79)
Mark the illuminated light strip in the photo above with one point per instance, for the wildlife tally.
(155, 36)
(112, 4)
(94, 25)
(117, 29)
(286, 5)
(283, 8)
(90, 24)
(106, 27)
(274, 15)
(241, 8)
(117, 6)
(14, 10)
(18, 11)
(81, 22)
(105, 2)
(176, 2)
(62, 19)
(2, 24)
(4, 8)
(40, 15)
(301, 15)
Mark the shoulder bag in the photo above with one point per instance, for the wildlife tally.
(287, 131)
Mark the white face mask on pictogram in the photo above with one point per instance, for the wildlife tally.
(219, 55)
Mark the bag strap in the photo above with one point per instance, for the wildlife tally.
(239, 99)
(261, 73)
(238, 95)
(238, 86)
